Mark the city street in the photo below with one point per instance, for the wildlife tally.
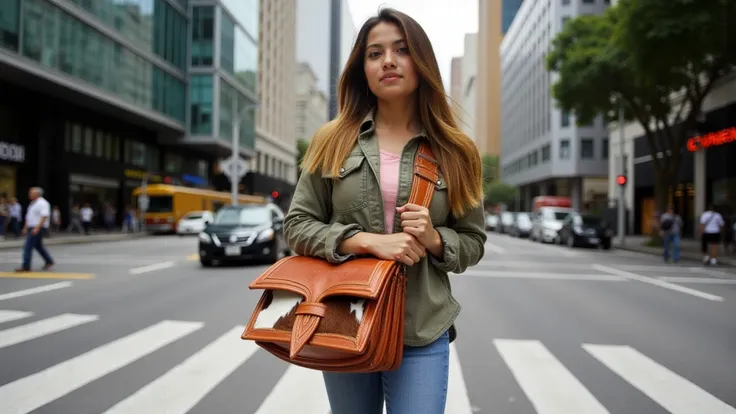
(139, 326)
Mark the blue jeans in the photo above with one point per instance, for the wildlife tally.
(35, 241)
(671, 239)
(419, 385)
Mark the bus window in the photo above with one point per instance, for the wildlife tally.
(160, 204)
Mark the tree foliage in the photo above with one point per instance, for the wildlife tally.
(498, 192)
(656, 59)
(301, 149)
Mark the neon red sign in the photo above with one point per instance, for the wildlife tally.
(713, 139)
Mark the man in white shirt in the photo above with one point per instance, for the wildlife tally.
(36, 226)
(711, 223)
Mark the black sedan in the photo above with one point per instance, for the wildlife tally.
(585, 230)
(245, 232)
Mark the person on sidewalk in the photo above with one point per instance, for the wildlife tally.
(38, 217)
(16, 216)
(87, 214)
(670, 227)
(711, 223)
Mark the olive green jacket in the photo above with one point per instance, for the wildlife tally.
(325, 211)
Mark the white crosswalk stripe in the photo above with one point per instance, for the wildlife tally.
(548, 385)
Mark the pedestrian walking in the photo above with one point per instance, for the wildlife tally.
(350, 200)
(711, 224)
(55, 220)
(86, 214)
(16, 216)
(75, 220)
(670, 226)
(38, 218)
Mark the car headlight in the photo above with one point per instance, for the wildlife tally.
(265, 235)
(205, 238)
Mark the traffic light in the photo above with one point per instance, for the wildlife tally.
(621, 180)
(274, 194)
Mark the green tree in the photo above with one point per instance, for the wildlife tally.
(301, 149)
(498, 192)
(490, 168)
(657, 59)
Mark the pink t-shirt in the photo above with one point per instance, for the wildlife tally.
(389, 174)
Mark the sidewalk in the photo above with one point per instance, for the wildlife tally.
(689, 249)
(11, 242)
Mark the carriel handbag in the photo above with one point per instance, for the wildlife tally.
(346, 317)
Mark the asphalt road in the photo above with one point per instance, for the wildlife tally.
(139, 327)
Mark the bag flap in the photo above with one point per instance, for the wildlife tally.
(316, 279)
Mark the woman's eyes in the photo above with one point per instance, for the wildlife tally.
(402, 50)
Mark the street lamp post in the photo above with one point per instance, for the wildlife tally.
(621, 188)
(235, 156)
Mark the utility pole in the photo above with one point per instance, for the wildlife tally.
(621, 188)
(235, 168)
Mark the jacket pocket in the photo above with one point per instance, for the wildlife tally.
(349, 187)
(439, 207)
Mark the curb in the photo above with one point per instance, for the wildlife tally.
(683, 255)
(51, 241)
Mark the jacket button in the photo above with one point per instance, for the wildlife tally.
(439, 182)
(342, 170)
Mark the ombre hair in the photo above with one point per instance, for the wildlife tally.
(456, 153)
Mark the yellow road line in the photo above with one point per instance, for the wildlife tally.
(46, 275)
(193, 257)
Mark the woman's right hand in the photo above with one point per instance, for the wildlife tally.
(401, 247)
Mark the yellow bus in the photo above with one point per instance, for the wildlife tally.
(169, 203)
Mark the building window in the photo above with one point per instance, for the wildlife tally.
(9, 18)
(564, 20)
(246, 12)
(229, 96)
(564, 119)
(565, 2)
(546, 153)
(238, 53)
(200, 91)
(587, 149)
(565, 149)
(203, 23)
(57, 40)
(588, 1)
(604, 149)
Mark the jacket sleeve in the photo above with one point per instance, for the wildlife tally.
(463, 241)
(306, 225)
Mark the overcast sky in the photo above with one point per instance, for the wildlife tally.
(445, 21)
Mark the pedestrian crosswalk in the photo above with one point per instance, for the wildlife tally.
(548, 385)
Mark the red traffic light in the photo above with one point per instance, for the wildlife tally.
(274, 194)
(621, 180)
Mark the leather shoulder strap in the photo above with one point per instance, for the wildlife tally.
(426, 175)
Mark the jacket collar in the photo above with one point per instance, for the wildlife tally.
(368, 125)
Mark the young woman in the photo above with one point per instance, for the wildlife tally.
(351, 200)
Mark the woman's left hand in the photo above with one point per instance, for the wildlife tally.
(415, 220)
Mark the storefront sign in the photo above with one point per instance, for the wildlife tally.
(139, 175)
(713, 139)
(12, 152)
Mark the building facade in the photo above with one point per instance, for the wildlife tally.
(543, 150)
(456, 85)
(311, 103)
(706, 177)
(93, 99)
(468, 85)
(274, 167)
(488, 79)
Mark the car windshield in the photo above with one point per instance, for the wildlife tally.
(243, 216)
(555, 214)
(589, 221)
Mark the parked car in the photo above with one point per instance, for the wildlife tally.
(522, 226)
(506, 222)
(245, 232)
(491, 222)
(585, 230)
(547, 222)
(194, 222)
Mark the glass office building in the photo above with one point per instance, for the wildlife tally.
(97, 94)
(224, 65)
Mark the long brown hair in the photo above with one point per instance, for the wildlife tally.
(456, 153)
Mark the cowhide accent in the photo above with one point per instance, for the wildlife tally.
(344, 314)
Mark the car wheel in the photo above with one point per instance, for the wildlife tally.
(205, 262)
(606, 245)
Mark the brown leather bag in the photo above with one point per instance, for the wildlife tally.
(346, 317)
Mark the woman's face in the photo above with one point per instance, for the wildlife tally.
(388, 66)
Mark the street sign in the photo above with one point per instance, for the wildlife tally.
(234, 169)
(143, 202)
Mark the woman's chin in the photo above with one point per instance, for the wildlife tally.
(393, 94)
